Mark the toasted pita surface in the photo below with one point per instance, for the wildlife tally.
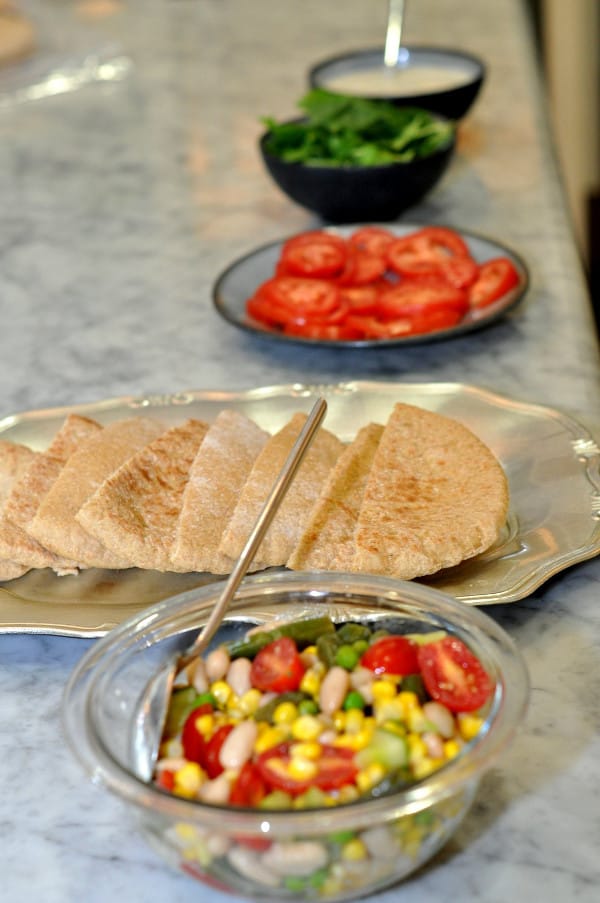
(289, 522)
(217, 475)
(135, 512)
(86, 469)
(435, 496)
(27, 493)
(327, 542)
(14, 461)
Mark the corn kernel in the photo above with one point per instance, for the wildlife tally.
(270, 737)
(416, 748)
(451, 748)
(354, 851)
(347, 793)
(408, 699)
(355, 720)
(232, 703)
(354, 741)
(188, 779)
(369, 776)
(306, 727)
(416, 720)
(205, 724)
(306, 749)
(221, 691)
(250, 701)
(311, 682)
(394, 727)
(285, 713)
(302, 769)
(339, 721)
(424, 767)
(389, 710)
(382, 689)
(186, 832)
(171, 749)
(469, 725)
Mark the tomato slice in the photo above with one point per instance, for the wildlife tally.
(426, 251)
(335, 767)
(435, 321)
(314, 235)
(192, 741)
(453, 675)
(302, 297)
(277, 667)
(362, 268)
(372, 239)
(391, 655)
(211, 762)
(361, 299)
(249, 787)
(416, 297)
(314, 329)
(317, 258)
(496, 277)
(372, 327)
(263, 310)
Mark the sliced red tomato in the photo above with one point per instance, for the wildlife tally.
(335, 767)
(314, 235)
(373, 327)
(372, 239)
(165, 778)
(460, 271)
(496, 277)
(417, 297)
(435, 321)
(426, 251)
(391, 655)
(331, 332)
(301, 297)
(192, 741)
(318, 258)
(277, 667)
(211, 763)
(362, 268)
(361, 299)
(249, 787)
(453, 675)
(266, 312)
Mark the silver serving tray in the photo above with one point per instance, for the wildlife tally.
(551, 460)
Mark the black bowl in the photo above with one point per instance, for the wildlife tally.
(451, 102)
(351, 194)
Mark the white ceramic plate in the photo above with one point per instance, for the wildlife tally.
(552, 463)
(237, 283)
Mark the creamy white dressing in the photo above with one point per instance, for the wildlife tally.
(383, 82)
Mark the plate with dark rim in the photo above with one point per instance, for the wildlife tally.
(236, 284)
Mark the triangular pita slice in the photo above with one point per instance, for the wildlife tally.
(288, 524)
(14, 461)
(135, 511)
(28, 492)
(435, 496)
(217, 476)
(327, 542)
(55, 525)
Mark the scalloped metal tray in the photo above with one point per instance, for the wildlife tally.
(551, 460)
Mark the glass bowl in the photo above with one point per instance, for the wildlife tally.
(113, 720)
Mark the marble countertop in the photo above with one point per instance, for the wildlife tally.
(124, 193)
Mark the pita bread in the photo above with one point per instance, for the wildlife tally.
(288, 524)
(134, 513)
(86, 469)
(435, 496)
(327, 542)
(217, 476)
(14, 461)
(27, 493)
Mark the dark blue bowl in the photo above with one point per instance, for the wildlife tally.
(451, 102)
(351, 194)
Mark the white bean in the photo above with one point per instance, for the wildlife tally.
(361, 679)
(215, 791)
(298, 858)
(380, 843)
(441, 717)
(333, 689)
(244, 861)
(197, 677)
(217, 663)
(238, 675)
(434, 744)
(238, 745)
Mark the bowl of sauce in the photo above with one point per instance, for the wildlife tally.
(442, 81)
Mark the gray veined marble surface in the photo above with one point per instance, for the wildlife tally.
(122, 198)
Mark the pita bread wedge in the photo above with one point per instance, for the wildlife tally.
(98, 457)
(288, 524)
(217, 476)
(14, 461)
(435, 496)
(327, 542)
(27, 493)
(135, 512)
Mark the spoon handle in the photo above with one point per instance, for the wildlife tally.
(393, 34)
(275, 497)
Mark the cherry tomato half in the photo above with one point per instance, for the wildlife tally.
(212, 763)
(335, 767)
(391, 655)
(277, 667)
(453, 675)
(192, 741)
(495, 278)
(248, 788)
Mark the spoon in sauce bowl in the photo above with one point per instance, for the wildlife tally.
(393, 36)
